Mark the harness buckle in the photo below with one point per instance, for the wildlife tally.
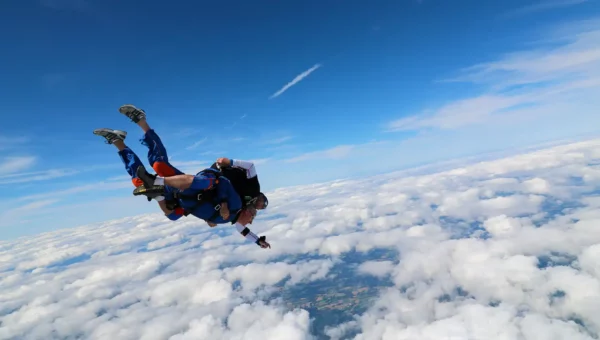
(217, 207)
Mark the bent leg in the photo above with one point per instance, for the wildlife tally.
(131, 162)
(157, 155)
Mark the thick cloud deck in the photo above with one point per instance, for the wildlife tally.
(506, 249)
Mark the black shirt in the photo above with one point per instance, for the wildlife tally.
(243, 185)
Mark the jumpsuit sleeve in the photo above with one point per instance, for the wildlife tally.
(175, 214)
(247, 165)
(245, 231)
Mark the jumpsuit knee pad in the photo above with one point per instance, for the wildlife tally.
(137, 182)
(163, 169)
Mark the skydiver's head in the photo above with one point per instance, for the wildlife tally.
(261, 202)
(247, 215)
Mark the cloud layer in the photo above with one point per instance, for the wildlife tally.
(504, 249)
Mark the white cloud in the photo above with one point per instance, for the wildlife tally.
(26, 177)
(460, 113)
(275, 272)
(336, 152)
(11, 165)
(196, 144)
(296, 80)
(471, 244)
(547, 83)
(545, 93)
(187, 164)
(11, 216)
(108, 185)
(30, 206)
(259, 161)
(217, 152)
(119, 178)
(376, 268)
(185, 132)
(545, 5)
(278, 140)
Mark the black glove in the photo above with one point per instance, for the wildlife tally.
(263, 239)
(155, 191)
(173, 204)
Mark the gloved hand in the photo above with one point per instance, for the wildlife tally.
(262, 242)
(223, 162)
(156, 192)
(172, 205)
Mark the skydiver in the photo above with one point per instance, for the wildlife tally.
(207, 195)
(244, 179)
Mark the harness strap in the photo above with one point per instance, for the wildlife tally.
(205, 196)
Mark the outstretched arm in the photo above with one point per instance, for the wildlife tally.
(246, 232)
(244, 219)
(173, 215)
(247, 165)
(249, 235)
(163, 206)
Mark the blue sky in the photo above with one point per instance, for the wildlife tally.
(312, 91)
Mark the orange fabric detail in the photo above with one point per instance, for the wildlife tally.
(137, 182)
(211, 183)
(163, 169)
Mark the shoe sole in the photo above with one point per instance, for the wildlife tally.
(110, 134)
(132, 112)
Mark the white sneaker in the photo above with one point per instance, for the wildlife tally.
(132, 112)
(111, 135)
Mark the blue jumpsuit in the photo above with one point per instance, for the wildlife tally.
(158, 159)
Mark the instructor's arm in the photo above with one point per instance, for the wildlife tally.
(163, 206)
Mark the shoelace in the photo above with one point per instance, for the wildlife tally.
(110, 137)
(136, 114)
